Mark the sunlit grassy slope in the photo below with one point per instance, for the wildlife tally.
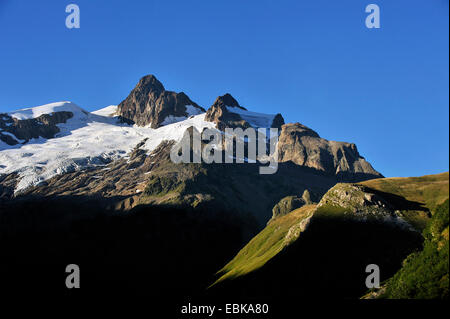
(429, 191)
(269, 242)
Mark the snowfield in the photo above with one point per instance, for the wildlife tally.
(85, 140)
(253, 118)
(108, 111)
(33, 112)
(190, 110)
(91, 139)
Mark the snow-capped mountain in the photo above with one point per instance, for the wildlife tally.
(39, 143)
(104, 182)
(84, 140)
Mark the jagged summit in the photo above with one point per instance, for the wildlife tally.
(150, 83)
(227, 112)
(227, 100)
(222, 116)
(150, 104)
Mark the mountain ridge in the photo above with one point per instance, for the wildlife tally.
(111, 170)
(88, 140)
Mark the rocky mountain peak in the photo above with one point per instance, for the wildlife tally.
(227, 100)
(150, 104)
(221, 115)
(150, 83)
(226, 112)
(303, 146)
(297, 130)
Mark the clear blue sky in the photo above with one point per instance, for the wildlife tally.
(314, 61)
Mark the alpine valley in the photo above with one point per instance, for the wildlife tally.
(100, 190)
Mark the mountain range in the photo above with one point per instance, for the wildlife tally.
(100, 187)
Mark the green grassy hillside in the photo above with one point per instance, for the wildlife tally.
(424, 274)
(429, 190)
(279, 233)
(351, 218)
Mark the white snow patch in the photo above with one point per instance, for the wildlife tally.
(253, 118)
(108, 111)
(192, 110)
(33, 112)
(170, 119)
(175, 131)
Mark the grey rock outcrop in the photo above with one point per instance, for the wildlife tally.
(303, 146)
(355, 198)
(287, 205)
(365, 204)
(290, 203)
(43, 126)
(150, 104)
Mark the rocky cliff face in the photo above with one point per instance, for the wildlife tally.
(24, 130)
(150, 104)
(287, 205)
(303, 146)
(358, 201)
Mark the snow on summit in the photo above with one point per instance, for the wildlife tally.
(190, 110)
(253, 118)
(107, 111)
(85, 140)
(33, 112)
(96, 138)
